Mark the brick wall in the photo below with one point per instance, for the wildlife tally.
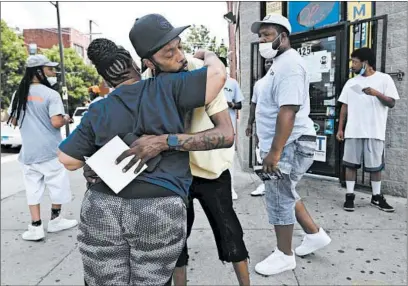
(46, 38)
(395, 177)
(79, 39)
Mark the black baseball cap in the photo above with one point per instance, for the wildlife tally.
(152, 32)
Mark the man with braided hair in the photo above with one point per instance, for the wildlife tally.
(136, 236)
(38, 111)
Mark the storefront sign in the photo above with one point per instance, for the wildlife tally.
(273, 7)
(305, 50)
(306, 15)
(321, 146)
(359, 11)
(316, 62)
(329, 126)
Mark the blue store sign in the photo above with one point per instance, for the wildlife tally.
(306, 15)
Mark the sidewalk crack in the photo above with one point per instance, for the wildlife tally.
(52, 269)
(297, 279)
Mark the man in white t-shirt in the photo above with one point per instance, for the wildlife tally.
(366, 99)
(260, 190)
(287, 140)
(234, 97)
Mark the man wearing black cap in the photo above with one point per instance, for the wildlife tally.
(221, 137)
(211, 177)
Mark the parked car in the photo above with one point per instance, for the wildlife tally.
(10, 136)
(77, 117)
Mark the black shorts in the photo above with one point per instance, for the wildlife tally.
(216, 200)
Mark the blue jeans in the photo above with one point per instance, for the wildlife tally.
(280, 194)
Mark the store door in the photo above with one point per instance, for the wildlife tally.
(256, 73)
(324, 52)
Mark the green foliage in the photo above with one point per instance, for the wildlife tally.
(13, 57)
(79, 76)
(198, 37)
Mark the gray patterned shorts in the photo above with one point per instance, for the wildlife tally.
(130, 241)
(281, 195)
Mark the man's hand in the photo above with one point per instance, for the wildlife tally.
(270, 165)
(340, 135)
(143, 149)
(248, 130)
(371, 91)
(90, 175)
(68, 119)
(231, 104)
(199, 54)
(256, 140)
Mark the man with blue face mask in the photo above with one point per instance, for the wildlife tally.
(366, 99)
(287, 142)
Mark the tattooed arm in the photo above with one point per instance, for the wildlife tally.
(147, 147)
(221, 136)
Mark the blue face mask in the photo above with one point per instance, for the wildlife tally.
(363, 70)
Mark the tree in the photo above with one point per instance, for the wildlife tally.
(79, 76)
(13, 57)
(198, 37)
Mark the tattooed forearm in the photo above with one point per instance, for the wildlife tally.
(206, 140)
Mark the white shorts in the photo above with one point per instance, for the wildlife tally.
(50, 174)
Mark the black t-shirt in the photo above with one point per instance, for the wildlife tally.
(154, 106)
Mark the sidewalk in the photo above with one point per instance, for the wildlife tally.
(368, 247)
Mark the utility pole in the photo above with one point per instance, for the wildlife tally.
(90, 31)
(61, 50)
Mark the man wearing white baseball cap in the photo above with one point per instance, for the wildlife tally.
(38, 111)
(287, 142)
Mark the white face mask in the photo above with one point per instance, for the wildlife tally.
(266, 50)
(52, 80)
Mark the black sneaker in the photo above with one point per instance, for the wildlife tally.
(380, 202)
(349, 204)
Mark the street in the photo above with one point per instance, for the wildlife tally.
(368, 246)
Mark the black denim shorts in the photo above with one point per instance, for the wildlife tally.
(216, 200)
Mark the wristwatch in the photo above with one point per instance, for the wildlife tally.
(172, 142)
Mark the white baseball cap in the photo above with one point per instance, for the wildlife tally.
(40, 61)
(272, 18)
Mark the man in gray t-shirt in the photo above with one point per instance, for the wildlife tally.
(287, 142)
(38, 111)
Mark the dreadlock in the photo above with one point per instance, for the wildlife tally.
(112, 62)
(19, 103)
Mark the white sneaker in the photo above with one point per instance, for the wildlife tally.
(34, 233)
(313, 242)
(260, 191)
(234, 195)
(61, 223)
(276, 263)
